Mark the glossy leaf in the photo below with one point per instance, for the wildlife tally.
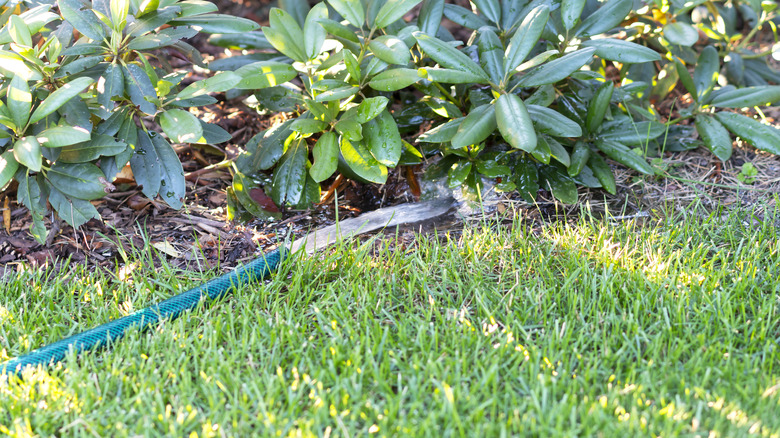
(603, 173)
(138, 86)
(624, 156)
(63, 135)
(558, 69)
(607, 17)
(526, 37)
(326, 157)
(706, 73)
(19, 102)
(680, 33)
(265, 149)
(464, 17)
(632, 133)
(253, 198)
(685, 78)
(715, 137)
(476, 127)
(264, 74)
(759, 135)
(457, 174)
(313, 33)
(748, 97)
(579, 158)
(350, 129)
(558, 152)
(19, 31)
(82, 181)
(526, 178)
(92, 149)
(339, 30)
(549, 121)
(561, 186)
(622, 51)
(83, 21)
(571, 10)
(382, 139)
(442, 133)
(290, 175)
(8, 167)
(395, 79)
(491, 55)
(392, 11)
(390, 49)
(448, 56)
(76, 212)
(172, 184)
(514, 123)
(27, 151)
(430, 15)
(451, 76)
(360, 162)
(284, 34)
(146, 165)
(181, 126)
(598, 106)
(218, 83)
(371, 108)
(218, 23)
(352, 10)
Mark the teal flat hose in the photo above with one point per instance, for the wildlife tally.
(103, 335)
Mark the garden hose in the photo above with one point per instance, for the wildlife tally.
(105, 334)
(144, 319)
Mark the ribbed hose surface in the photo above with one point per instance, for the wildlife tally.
(145, 318)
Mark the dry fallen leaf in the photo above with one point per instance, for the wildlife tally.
(166, 248)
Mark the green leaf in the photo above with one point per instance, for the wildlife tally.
(285, 35)
(12, 64)
(622, 51)
(448, 56)
(353, 67)
(579, 157)
(60, 96)
(218, 23)
(490, 8)
(308, 126)
(476, 127)
(76, 212)
(218, 83)
(313, 33)
(558, 69)
(430, 15)
(110, 84)
(264, 74)
(371, 108)
(608, 16)
(19, 102)
(92, 149)
(383, 139)
(63, 135)
(396, 79)
(715, 137)
(352, 10)
(759, 135)
(603, 173)
(514, 123)
(27, 151)
(290, 175)
(83, 21)
(598, 106)
(748, 97)
(571, 10)
(298, 9)
(491, 55)
(624, 156)
(361, 163)
(82, 181)
(390, 49)
(19, 31)
(8, 167)
(561, 186)
(685, 77)
(549, 121)
(138, 86)
(349, 129)
(492, 168)
(339, 30)
(526, 178)
(458, 173)
(172, 184)
(326, 157)
(558, 152)
(706, 73)
(680, 33)
(181, 126)
(526, 37)
(146, 164)
(247, 191)
(464, 17)
(542, 153)
(632, 133)
(442, 133)
(265, 148)
(334, 92)
(392, 11)
(451, 76)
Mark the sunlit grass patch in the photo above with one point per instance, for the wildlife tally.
(667, 327)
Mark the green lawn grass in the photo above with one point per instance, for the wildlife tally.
(669, 328)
